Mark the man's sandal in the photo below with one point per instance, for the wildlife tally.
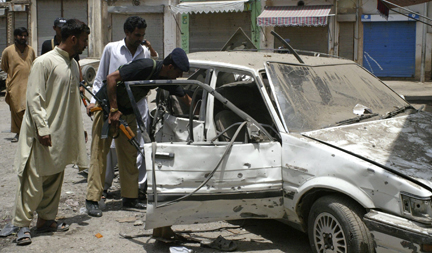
(24, 237)
(47, 228)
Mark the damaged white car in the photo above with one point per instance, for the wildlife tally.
(322, 145)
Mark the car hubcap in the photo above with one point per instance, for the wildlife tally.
(328, 234)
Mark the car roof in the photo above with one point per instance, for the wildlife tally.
(255, 60)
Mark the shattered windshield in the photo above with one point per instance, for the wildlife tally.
(312, 98)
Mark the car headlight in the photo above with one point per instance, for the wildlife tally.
(416, 208)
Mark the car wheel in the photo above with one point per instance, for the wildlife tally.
(335, 225)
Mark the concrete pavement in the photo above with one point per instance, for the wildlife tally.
(412, 90)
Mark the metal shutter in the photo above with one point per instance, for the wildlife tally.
(20, 19)
(304, 38)
(47, 12)
(210, 32)
(154, 30)
(3, 34)
(346, 40)
(392, 46)
(75, 9)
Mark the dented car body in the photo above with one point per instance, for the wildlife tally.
(322, 145)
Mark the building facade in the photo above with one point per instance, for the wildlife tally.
(397, 47)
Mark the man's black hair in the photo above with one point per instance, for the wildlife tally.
(134, 22)
(20, 31)
(73, 27)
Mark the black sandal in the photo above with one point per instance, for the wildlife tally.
(24, 236)
(46, 227)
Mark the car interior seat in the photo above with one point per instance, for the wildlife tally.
(246, 96)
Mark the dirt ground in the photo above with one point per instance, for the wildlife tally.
(116, 224)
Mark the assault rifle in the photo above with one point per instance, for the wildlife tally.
(124, 127)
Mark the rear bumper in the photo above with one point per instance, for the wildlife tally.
(396, 234)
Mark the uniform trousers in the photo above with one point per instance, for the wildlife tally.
(36, 193)
(112, 156)
(126, 155)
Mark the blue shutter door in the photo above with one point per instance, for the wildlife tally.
(391, 46)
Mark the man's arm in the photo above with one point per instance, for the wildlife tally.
(153, 54)
(36, 100)
(102, 71)
(101, 75)
(112, 80)
(4, 61)
(33, 54)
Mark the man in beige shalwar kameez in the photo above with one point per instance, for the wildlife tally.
(16, 62)
(52, 133)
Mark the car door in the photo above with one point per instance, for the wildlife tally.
(215, 179)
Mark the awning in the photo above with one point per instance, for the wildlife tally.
(209, 7)
(312, 15)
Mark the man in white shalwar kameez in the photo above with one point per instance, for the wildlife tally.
(52, 133)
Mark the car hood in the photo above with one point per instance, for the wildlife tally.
(402, 143)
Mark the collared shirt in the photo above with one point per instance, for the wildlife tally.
(53, 108)
(115, 54)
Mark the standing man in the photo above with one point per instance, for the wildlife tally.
(16, 62)
(49, 45)
(52, 133)
(171, 67)
(114, 55)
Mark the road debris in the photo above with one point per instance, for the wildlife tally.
(180, 250)
(127, 219)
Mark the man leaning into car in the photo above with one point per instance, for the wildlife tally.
(171, 67)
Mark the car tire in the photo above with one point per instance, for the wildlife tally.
(89, 74)
(335, 225)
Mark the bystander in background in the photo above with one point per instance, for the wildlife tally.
(16, 62)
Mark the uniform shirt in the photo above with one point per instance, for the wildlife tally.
(141, 70)
(138, 70)
(47, 46)
(53, 108)
(115, 54)
(17, 66)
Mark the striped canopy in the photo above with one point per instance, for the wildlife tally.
(312, 15)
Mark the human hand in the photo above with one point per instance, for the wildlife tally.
(146, 43)
(114, 118)
(89, 107)
(45, 140)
